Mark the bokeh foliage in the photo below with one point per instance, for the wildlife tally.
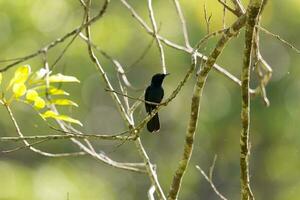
(27, 25)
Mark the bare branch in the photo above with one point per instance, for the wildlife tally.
(150, 169)
(207, 18)
(195, 106)
(81, 153)
(183, 23)
(71, 135)
(116, 63)
(18, 130)
(178, 47)
(279, 38)
(55, 42)
(228, 8)
(224, 16)
(209, 180)
(208, 36)
(151, 193)
(252, 13)
(104, 76)
(167, 101)
(138, 99)
(238, 7)
(154, 26)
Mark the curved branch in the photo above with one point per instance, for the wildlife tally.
(195, 106)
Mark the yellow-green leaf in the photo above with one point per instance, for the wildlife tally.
(56, 91)
(21, 75)
(31, 95)
(48, 113)
(62, 78)
(39, 103)
(51, 114)
(52, 90)
(64, 102)
(0, 78)
(19, 89)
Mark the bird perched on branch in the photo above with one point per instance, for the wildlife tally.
(154, 93)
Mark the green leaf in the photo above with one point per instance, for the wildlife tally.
(31, 95)
(39, 103)
(19, 89)
(51, 114)
(64, 102)
(21, 75)
(62, 78)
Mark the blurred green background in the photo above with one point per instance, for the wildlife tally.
(27, 25)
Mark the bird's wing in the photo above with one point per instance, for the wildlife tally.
(147, 98)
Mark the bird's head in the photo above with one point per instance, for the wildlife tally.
(157, 79)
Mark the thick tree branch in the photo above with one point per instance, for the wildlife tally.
(252, 13)
(195, 106)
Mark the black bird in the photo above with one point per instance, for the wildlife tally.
(154, 93)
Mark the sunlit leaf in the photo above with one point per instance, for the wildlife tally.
(51, 114)
(52, 90)
(39, 103)
(64, 102)
(62, 78)
(48, 113)
(19, 89)
(31, 95)
(56, 91)
(21, 75)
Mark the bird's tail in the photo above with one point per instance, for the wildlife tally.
(153, 125)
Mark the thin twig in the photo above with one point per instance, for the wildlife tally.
(279, 38)
(224, 15)
(135, 167)
(71, 41)
(24, 146)
(209, 180)
(212, 167)
(135, 98)
(117, 64)
(150, 169)
(183, 23)
(227, 7)
(239, 8)
(160, 47)
(18, 130)
(54, 43)
(206, 18)
(167, 101)
(208, 36)
(151, 193)
(178, 47)
(71, 135)
(103, 74)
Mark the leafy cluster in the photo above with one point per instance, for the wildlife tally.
(35, 89)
